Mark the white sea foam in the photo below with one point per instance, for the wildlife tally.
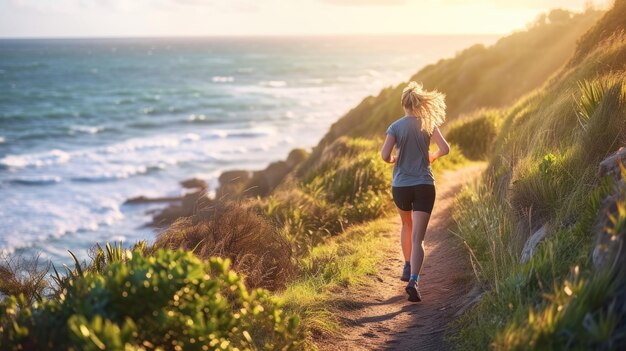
(196, 118)
(85, 129)
(117, 173)
(36, 180)
(54, 156)
(223, 79)
(2, 140)
(274, 83)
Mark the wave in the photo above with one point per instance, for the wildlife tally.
(2, 140)
(36, 180)
(35, 160)
(107, 214)
(151, 143)
(223, 79)
(86, 129)
(274, 83)
(123, 172)
(233, 133)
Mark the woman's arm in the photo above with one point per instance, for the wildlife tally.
(385, 153)
(442, 144)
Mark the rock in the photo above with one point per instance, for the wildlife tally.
(232, 183)
(608, 246)
(147, 200)
(189, 204)
(532, 242)
(235, 176)
(194, 183)
(263, 182)
(610, 165)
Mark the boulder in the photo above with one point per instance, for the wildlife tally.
(532, 242)
(608, 248)
(194, 183)
(611, 165)
(232, 183)
(148, 200)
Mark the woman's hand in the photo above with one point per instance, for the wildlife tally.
(392, 159)
(442, 144)
(432, 157)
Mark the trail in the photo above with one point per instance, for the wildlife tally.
(381, 318)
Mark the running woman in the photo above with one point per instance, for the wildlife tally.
(413, 184)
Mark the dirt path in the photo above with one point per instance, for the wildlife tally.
(383, 319)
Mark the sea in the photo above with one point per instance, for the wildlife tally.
(86, 124)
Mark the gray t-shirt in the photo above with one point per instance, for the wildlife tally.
(412, 166)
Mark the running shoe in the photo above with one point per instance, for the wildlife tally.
(406, 272)
(414, 292)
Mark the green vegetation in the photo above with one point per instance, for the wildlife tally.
(347, 184)
(168, 300)
(478, 77)
(475, 134)
(322, 224)
(542, 173)
(344, 261)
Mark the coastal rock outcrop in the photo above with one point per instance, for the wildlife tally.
(233, 185)
(609, 250)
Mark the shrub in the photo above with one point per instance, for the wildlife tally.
(19, 275)
(229, 230)
(475, 135)
(170, 300)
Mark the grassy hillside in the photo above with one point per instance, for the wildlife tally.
(323, 219)
(478, 77)
(543, 174)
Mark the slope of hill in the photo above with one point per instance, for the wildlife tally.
(320, 219)
(478, 77)
(543, 180)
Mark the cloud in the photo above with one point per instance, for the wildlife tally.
(366, 2)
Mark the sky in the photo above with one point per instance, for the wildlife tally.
(123, 18)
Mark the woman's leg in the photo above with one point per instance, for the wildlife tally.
(405, 234)
(420, 222)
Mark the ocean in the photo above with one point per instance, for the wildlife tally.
(86, 124)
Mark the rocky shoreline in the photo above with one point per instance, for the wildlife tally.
(233, 184)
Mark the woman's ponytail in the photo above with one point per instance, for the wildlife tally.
(430, 106)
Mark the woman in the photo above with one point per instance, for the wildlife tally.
(413, 185)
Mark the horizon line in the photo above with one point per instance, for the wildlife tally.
(243, 36)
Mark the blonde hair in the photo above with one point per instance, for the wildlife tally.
(427, 105)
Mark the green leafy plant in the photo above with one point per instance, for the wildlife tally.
(169, 300)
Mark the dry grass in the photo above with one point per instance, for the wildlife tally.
(255, 247)
(19, 275)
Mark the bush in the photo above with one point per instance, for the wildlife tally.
(170, 300)
(19, 275)
(475, 135)
(344, 184)
(229, 230)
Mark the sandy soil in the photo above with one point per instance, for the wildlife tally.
(382, 318)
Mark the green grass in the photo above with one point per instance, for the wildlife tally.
(475, 134)
(542, 171)
(340, 263)
(477, 77)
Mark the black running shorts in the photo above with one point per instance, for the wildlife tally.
(417, 197)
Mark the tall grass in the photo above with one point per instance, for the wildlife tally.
(475, 134)
(343, 262)
(543, 171)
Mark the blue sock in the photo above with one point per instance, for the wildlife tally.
(407, 263)
(415, 277)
